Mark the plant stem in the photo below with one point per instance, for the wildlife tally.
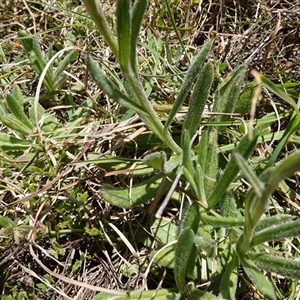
(95, 10)
(151, 118)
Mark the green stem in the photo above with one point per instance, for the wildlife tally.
(95, 10)
(151, 118)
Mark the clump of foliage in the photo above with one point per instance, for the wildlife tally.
(208, 169)
(197, 167)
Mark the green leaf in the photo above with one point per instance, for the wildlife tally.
(294, 122)
(199, 181)
(124, 33)
(18, 96)
(18, 110)
(95, 10)
(264, 223)
(192, 218)
(165, 257)
(187, 152)
(279, 92)
(211, 162)
(184, 249)
(15, 124)
(158, 161)
(245, 148)
(244, 102)
(228, 93)
(109, 88)
(193, 270)
(6, 223)
(162, 294)
(285, 267)
(8, 142)
(258, 279)
(137, 195)
(164, 230)
(191, 75)
(36, 57)
(203, 240)
(285, 169)
(229, 279)
(172, 19)
(155, 160)
(198, 294)
(202, 148)
(64, 63)
(277, 232)
(223, 221)
(33, 51)
(198, 100)
(138, 11)
(50, 123)
(256, 206)
(254, 181)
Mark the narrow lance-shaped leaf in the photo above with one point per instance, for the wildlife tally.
(64, 63)
(264, 223)
(229, 279)
(245, 148)
(31, 45)
(286, 168)
(253, 204)
(48, 55)
(289, 130)
(211, 163)
(199, 181)
(161, 294)
(255, 182)
(8, 142)
(244, 102)
(109, 88)
(258, 279)
(254, 208)
(184, 248)
(193, 268)
(18, 110)
(279, 92)
(257, 233)
(187, 152)
(95, 10)
(17, 94)
(172, 19)
(124, 33)
(277, 232)
(199, 98)
(36, 57)
(15, 124)
(228, 94)
(202, 148)
(223, 221)
(188, 82)
(146, 112)
(294, 122)
(285, 267)
(192, 218)
(231, 95)
(138, 11)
